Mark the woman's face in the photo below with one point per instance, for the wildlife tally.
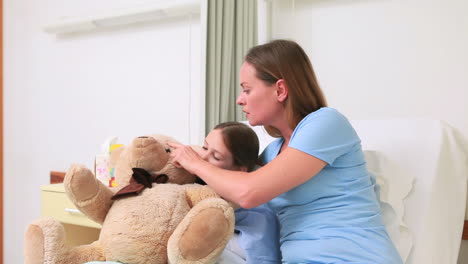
(258, 100)
(215, 151)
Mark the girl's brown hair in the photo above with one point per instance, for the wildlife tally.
(242, 142)
(285, 59)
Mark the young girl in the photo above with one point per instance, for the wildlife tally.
(234, 146)
(315, 177)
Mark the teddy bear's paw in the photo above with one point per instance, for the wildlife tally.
(203, 233)
(44, 242)
(80, 183)
(33, 245)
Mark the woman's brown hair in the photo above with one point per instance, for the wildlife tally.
(285, 59)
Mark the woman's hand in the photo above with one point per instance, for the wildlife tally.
(184, 156)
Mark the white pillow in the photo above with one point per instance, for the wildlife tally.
(263, 137)
(392, 188)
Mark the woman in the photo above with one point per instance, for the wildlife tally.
(314, 177)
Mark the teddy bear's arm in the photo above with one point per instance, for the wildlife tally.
(204, 232)
(195, 193)
(88, 194)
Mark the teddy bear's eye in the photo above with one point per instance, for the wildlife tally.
(168, 150)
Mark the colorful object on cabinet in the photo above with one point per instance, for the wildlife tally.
(103, 168)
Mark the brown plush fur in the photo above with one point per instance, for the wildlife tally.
(178, 222)
(207, 222)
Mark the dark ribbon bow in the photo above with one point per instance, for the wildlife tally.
(140, 180)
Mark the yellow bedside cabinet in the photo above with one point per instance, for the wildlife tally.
(79, 230)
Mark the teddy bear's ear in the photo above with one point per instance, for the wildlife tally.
(163, 139)
(114, 156)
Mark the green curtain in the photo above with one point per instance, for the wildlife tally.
(232, 30)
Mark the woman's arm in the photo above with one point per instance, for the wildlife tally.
(289, 169)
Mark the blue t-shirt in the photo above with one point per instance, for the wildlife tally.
(258, 234)
(335, 216)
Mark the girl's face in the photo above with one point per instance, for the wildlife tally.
(258, 100)
(215, 151)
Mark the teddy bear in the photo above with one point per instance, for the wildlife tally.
(156, 214)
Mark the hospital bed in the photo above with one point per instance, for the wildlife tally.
(420, 167)
(421, 170)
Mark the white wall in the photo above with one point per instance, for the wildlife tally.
(63, 96)
(384, 59)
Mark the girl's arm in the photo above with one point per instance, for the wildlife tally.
(289, 169)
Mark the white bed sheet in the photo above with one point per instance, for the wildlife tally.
(435, 155)
(392, 188)
(233, 253)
